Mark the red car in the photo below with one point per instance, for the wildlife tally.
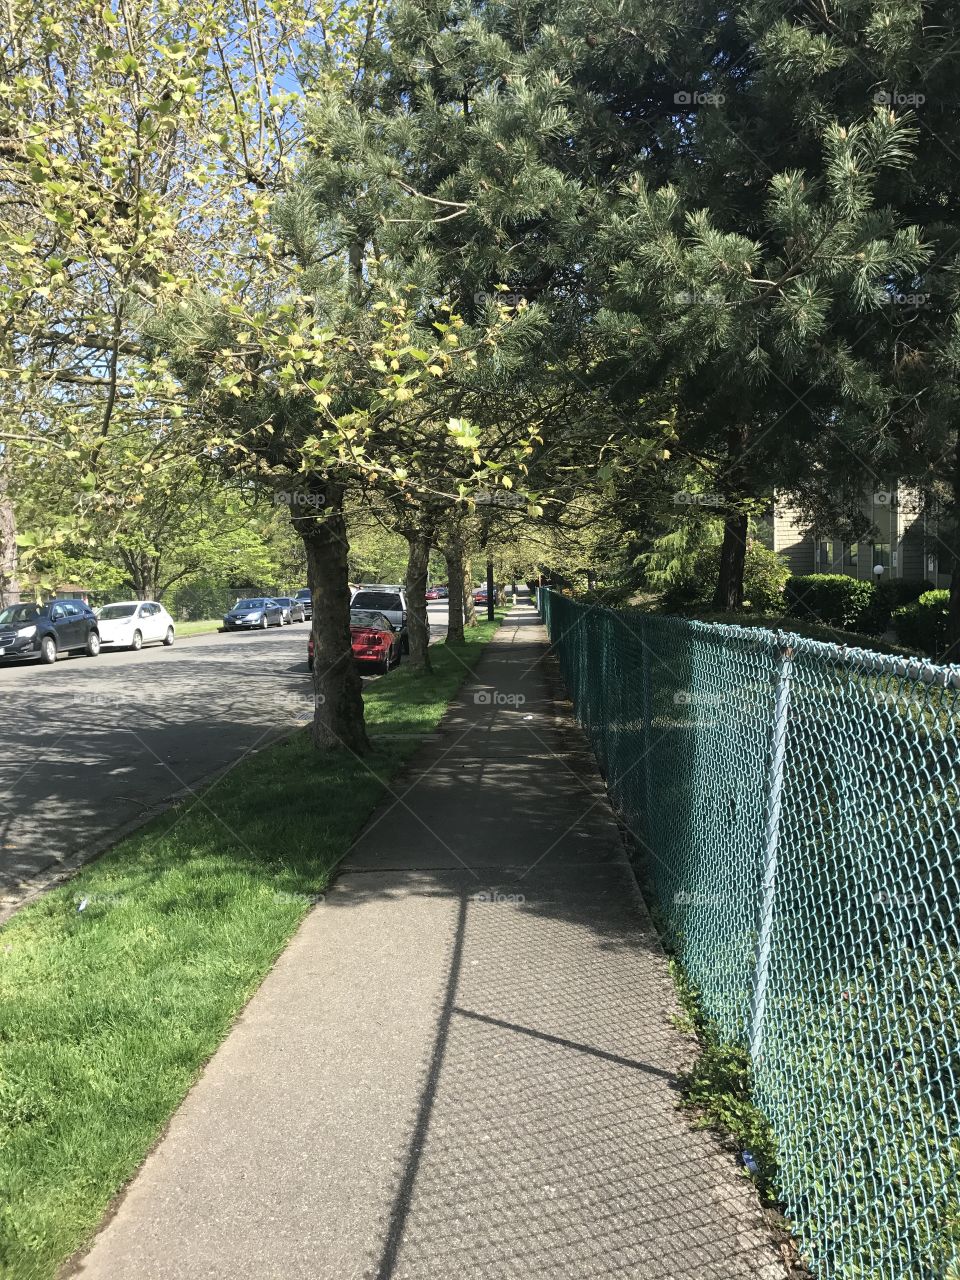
(437, 593)
(373, 640)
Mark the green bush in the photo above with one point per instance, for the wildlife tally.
(830, 598)
(924, 625)
(888, 596)
(764, 577)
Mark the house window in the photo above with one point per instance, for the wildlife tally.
(850, 555)
(823, 554)
(881, 555)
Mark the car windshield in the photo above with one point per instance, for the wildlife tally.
(369, 618)
(117, 611)
(304, 594)
(284, 600)
(250, 604)
(15, 613)
(377, 600)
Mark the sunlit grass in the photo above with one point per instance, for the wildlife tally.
(117, 987)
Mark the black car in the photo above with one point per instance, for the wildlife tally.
(258, 611)
(41, 631)
(306, 599)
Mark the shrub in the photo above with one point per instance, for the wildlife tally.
(764, 577)
(888, 596)
(924, 625)
(831, 598)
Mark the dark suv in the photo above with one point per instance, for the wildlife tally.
(41, 631)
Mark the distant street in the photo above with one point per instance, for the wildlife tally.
(96, 745)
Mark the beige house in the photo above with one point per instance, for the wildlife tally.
(905, 541)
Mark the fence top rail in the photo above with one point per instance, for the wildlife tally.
(864, 660)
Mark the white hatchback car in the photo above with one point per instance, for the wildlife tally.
(131, 624)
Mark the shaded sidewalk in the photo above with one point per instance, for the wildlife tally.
(465, 1064)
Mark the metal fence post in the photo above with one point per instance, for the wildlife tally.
(771, 851)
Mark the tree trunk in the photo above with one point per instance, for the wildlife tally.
(338, 702)
(952, 653)
(733, 556)
(453, 558)
(733, 550)
(9, 582)
(469, 608)
(418, 624)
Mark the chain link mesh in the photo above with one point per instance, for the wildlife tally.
(797, 805)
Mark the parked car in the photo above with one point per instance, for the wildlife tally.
(257, 611)
(292, 608)
(480, 595)
(130, 624)
(42, 631)
(306, 601)
(389, 600)
(374, 640)
(437, 593)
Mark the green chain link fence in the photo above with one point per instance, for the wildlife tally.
(797, 806)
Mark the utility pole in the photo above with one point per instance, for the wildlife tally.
(489, 589)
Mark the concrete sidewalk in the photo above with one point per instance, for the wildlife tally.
(464, 1065)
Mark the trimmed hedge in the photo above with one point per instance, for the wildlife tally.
(830, 598)
(888, 596)
(852, 604)
(924, 625)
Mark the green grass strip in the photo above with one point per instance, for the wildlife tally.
(199, 627)
(107, 1015)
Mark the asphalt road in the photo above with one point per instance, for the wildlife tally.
(94, 746)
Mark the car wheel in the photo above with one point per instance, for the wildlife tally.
(264, 623)
(48, 649)
(93, 644)
(136, 641)
(168, 638)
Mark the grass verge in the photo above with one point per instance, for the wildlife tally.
(199, 627)
(116, 987)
